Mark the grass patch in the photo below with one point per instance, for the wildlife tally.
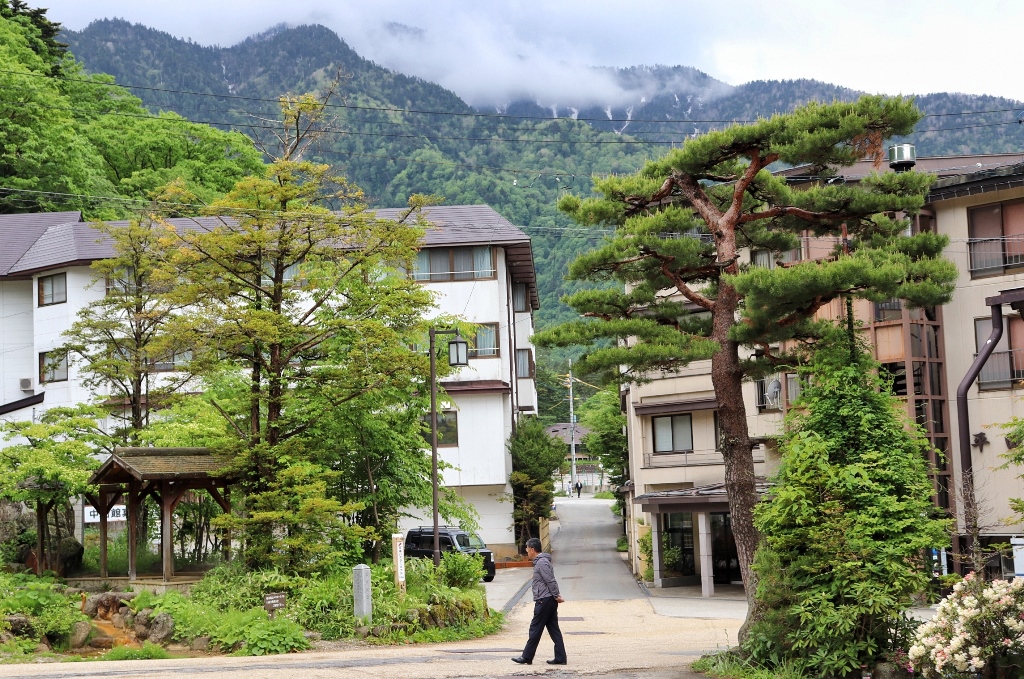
(149, 651)
(474, 629)
(622, 544)
(604, 495)
(728, 665)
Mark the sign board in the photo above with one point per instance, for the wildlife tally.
(273, 601)
(117, 513)
(398, 558)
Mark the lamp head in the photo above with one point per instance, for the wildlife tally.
(458, 352)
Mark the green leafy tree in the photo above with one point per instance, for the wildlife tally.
(602, 415)
(849, 522)
(48, 463)
(305, 304)
(681, 224)
(121, 341)
(535, 458)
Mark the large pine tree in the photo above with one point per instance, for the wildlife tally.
(681, 293)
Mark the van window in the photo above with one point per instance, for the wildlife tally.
(463, 540)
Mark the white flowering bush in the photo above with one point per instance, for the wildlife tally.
(978, 628)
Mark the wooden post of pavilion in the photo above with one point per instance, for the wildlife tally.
(103, 532)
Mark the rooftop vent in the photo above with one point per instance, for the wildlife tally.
(902, 157)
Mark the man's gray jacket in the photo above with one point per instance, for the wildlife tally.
(544, 584)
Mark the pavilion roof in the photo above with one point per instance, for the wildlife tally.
(159, 464)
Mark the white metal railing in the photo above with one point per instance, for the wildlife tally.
(992, 255)
(769, 392)
(1002, 370)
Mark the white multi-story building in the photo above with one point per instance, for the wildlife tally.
(480, 265)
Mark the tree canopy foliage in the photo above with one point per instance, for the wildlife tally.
(535, 457)
(683, 290)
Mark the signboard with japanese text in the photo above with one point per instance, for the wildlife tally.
(117, 513)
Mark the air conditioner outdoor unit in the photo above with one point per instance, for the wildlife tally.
(26, 383)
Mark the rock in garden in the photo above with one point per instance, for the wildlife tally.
(117, 620)
(70, 554)
(123, 611)
(362, 632)
(101, 642)
(141, 632)
(19, 624)
(129, 621)
(201, 644)
(380, 630)
(92, 605)
(161, 629)
(79, 634)
(142, 617)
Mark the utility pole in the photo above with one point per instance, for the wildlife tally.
(572, 431)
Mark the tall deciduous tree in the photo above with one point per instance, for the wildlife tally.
(602, 415)
(307, 303)
(535, 457)
(681, 223)
(121, 341)
(48, 463)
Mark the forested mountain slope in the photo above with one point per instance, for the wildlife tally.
(518, 165)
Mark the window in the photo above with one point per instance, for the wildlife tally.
(673, 434)
(896, 373)
(454, 264)
(53, 289)
(175, 361)
(718, 431)
(447, 428)
(769, 392)
(889, 310)
(519, 298)
(121, 282)
(485, 344)
(1006, 364)
(996, 240)
(524, 363)
(53, 367)
(768, 258)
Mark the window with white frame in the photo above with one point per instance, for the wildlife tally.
(673, 433)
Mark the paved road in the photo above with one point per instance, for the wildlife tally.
(586, 564)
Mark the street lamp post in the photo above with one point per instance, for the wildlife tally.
(458, 357)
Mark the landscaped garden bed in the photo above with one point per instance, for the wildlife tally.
(224, 614)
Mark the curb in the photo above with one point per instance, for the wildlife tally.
(511, 603)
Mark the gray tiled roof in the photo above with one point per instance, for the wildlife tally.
(51, 240)
(464, 225)
(19, 232)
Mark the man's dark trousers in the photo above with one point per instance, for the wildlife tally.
(545, 614)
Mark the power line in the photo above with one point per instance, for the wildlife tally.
(474, 114)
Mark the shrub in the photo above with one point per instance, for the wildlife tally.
(325, 606)
(231, 586)
(268, 637)
(843, 534)
(461, 570)
(50, 612)
(977, 628)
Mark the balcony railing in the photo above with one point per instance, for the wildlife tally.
(1003, 370)
(994, 255)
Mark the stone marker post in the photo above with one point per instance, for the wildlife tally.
(361, 594)
(398, 558)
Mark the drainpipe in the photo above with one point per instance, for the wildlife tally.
(962, 416)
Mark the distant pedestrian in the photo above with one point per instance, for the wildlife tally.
(579, 488)
(545, 606)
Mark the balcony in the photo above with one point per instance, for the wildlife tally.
(1003, 370)
(993, 256)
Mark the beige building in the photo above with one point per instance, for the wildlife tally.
(676, 489)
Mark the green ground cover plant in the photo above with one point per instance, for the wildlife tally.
(604, 495)
(50, 613)
(149, 651)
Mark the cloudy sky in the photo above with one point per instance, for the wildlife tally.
(490, 52)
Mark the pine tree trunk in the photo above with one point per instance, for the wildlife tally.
(727, 377)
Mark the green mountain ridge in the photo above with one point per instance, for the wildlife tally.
(518, 166)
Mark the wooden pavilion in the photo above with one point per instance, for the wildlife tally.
(164, 474)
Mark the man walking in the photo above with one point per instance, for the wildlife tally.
(579, 488)
(545, 606)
